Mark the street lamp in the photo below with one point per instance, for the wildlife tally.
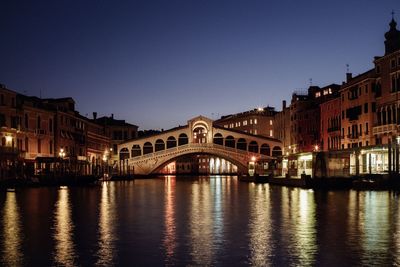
(61, 153)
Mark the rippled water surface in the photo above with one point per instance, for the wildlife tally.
(198, 221)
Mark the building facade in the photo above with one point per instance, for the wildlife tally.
(258, 121)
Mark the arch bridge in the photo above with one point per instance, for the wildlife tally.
(148, 155)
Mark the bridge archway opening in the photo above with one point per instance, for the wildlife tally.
(147, 148)
(124, 154)
(276, 151)
(171, 142)
(253, 147)
(183, 139)
(136, 151)
(218, 139)
(265, 150)
(230, 141)
(241, 144)
(214, 165)
(200, 134)
(159, 145)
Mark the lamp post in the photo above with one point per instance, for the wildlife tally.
(61, 154)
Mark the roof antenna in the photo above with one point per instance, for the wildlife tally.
(347, 68)
(392, 14)
(310, 80)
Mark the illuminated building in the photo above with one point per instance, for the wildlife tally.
(330, 124)
(305, 117)
(282, 127)
(259, 121)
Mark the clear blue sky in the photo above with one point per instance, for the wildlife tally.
(158, 63)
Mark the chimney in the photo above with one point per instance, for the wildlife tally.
(94, 115)
(283, 104)
(112, 116)
(348, 76)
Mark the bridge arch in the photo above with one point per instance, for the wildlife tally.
(276, 151)
(147, 148)
(253, 147)
(171, 142)
(242, 168)
(183, 139)
(159, 145)
(230, 141)
(241, 144)
(218, 139)
(124, 153)
(265, 150)
(136, 151)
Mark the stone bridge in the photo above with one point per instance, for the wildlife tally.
(150, 154)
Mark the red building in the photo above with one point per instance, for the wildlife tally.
(330, 124)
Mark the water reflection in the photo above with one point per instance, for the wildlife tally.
(304, 226)
(201, 221)
(108, 221)
(169, 220)
(12, 255)
(65, 248)
(260, 226)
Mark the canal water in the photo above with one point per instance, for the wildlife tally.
(206, 221)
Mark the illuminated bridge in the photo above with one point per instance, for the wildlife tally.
(150, 154)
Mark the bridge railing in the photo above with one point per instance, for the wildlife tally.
(196, 145)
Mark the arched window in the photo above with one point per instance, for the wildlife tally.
(160, 145)
(171, 142)
(136, 151)
(230, 141)
(265, 150)
(147, 148)
(241, 144)
(183, 139)
(218, 139)
(253, 147)
(276, 151)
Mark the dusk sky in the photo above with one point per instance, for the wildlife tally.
(157, 64)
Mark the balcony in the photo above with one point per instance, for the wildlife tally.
(384, 129)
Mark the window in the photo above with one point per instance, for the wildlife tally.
(38, 123)
(366, 88)
(366, 108)
(255, 121)
(245, 123)
(255, 131)
(366, 128)
(270, 122)
(50, 126)
(26, 121)
(360, 129)
(373, 107)
(51, 147)
(226, 126)
(26, 144)
(392, 63)
(342, 97)
(251, 121)
(270, 133)
(39, 146)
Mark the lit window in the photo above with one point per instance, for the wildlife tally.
(317, 94)
(251, 121)
(226, 126)
(244, 123)
(270, 122)
(270, 133)
(255, 121)
(239, 123)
